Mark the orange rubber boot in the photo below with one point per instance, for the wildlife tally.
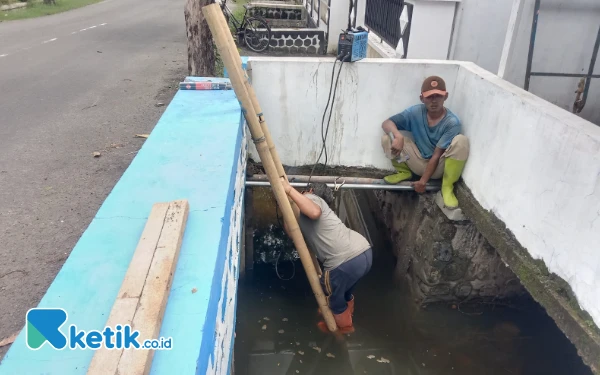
(351, 306)
(343, 322)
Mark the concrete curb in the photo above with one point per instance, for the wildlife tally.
(549, 290)
(12, 6)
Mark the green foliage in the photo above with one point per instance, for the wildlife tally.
(36, 8)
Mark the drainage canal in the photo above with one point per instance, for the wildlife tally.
(438, 300)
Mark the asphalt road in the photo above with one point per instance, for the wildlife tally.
(71, 84)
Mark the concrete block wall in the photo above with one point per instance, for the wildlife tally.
(442, 260)
(280, 15)
(304, 41)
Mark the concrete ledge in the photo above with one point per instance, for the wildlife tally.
(549, 290)
(380, 47)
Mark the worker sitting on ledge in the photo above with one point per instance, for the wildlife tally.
(425, 139)
(346, 255)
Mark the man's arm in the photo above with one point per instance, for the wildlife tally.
(388, 127)
(429, 170)
(392, 127)
(305, 205)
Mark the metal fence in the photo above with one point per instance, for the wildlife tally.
(318, 11)
(383, 18)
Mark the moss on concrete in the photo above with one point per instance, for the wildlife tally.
(548, 289)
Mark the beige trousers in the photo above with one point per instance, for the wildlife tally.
(458, 150)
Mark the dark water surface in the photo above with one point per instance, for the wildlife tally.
(276, 332)
(276, 327)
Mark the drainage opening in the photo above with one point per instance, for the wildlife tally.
(438, 300)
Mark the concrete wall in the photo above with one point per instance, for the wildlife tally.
(534, 165)
(280, 15)
(565, 39)
(480, 38)
(293, 94)
(564, 43)
(537, 168)
(301, 41)
(422, 44)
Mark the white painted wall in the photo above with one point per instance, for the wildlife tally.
(338, 21)
(222, 356)
(431, 29)
(565, 38)
(293, 93)
(536, 166)
(481, 30)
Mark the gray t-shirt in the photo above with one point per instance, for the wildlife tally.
(332, 241)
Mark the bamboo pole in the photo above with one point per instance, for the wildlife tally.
(232, 50)
(259, 113)
(215, 20)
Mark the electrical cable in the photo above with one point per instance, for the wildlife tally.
(324, 133)
(277, 270)
(326, 130)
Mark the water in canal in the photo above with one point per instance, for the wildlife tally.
(276, 330)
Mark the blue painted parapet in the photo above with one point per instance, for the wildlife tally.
(197, 151)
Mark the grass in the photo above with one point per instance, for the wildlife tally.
(237, 9)
(36, 8)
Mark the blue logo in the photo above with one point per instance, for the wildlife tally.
(43, 325)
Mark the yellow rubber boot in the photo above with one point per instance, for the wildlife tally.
(404, 173)
(452, 171)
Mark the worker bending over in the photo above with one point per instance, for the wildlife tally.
(425, 139)
(346, 255)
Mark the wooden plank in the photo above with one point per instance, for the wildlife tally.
(134, 280)
(149, 314)
(105, 361)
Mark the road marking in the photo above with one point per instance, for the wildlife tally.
(89, 28)
(4, 55)
(48, 41)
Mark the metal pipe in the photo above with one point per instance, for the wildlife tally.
(573, 75)
(536, 13)
(326, 179)
(588, 81)
(351, 186)
(303, 179)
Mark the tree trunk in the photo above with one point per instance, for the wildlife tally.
(50, 2)
(201, 50)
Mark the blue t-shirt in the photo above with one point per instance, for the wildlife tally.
(427, 138)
